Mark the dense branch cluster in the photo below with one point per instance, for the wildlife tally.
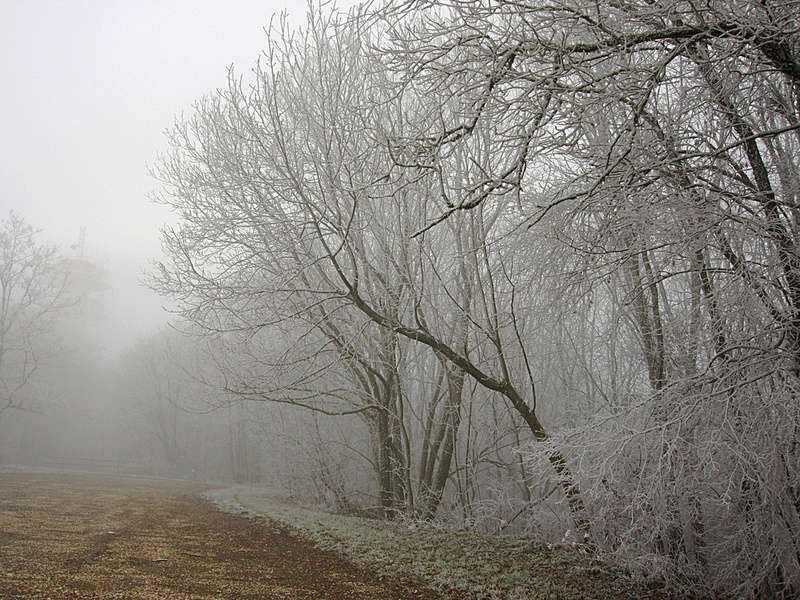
(545, 252)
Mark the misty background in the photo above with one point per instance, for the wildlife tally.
(90, 88)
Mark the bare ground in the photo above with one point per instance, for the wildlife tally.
(112, 537)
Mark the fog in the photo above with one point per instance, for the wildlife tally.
(93, 377)
(503, 266)
(90, 88)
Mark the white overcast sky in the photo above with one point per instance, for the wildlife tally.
(88, 87)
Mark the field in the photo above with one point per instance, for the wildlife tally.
(112, 537)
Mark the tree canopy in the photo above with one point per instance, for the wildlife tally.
(572, 224)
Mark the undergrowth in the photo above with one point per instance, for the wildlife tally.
(487, 567)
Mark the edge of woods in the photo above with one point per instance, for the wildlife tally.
(484, 566)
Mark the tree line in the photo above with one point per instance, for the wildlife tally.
(539, 250)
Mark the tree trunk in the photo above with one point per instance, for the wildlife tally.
(446, 440)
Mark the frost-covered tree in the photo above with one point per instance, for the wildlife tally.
(650, 149)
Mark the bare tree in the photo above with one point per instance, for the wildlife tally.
(296, 205)
(31, 295)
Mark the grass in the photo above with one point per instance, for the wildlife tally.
(490, 567)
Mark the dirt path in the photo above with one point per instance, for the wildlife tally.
(94, 536)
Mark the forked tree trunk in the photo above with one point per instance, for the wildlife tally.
(444, 444)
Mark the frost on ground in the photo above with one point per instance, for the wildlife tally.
(492, 567)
